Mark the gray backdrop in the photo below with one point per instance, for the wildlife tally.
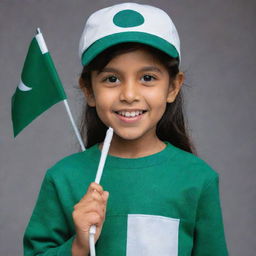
(218, 55)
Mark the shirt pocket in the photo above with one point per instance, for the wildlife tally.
(151, 235)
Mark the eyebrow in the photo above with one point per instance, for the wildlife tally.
(148, 68)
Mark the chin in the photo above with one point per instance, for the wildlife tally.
(129, 135)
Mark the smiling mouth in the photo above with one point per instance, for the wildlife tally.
(130, 114)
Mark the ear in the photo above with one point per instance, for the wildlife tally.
(175, 87)
(88, 93)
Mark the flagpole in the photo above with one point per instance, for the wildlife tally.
(44, 49)
(74, 125)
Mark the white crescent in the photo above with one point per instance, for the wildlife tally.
(23, 87)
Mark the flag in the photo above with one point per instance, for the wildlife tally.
(39, 88)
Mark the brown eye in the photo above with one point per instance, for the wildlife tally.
(148, 78)
(111, 79)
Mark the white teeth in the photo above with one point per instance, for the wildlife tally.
(130, 114)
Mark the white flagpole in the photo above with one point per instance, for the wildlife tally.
(74, 125)
(104, 153)
(44, 49)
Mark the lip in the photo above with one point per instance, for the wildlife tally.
(130, 110)
(130, 119)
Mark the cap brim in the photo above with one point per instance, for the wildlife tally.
(138, 37)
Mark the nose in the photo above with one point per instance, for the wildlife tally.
(129, 92)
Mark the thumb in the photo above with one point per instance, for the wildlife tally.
(105, 195)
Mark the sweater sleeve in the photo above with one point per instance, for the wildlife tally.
(47, 233)
(209, 236)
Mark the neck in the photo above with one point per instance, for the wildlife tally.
(135, 148)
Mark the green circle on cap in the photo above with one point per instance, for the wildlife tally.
(128, 18)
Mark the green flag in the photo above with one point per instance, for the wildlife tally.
(40, 86)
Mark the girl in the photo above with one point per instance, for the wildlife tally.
(159, 198)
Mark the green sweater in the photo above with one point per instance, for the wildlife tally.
(165, 204)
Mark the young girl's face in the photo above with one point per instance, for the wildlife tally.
(130, 94)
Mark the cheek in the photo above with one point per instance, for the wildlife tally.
(104, 101)
(157, 99)
(158, 103)
(103, 114)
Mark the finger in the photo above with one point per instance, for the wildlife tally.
(94, 208)
(95, 219)
(94, 186)
(105, 196)
(92, 196)
(96, 196)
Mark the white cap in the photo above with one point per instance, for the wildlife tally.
(128, 22)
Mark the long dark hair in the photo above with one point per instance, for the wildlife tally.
(171, 127)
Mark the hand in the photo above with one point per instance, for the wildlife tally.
(90, 210)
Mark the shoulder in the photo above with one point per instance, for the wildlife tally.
(74, 163)
(192, 164)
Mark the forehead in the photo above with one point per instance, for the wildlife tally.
(133, 62)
